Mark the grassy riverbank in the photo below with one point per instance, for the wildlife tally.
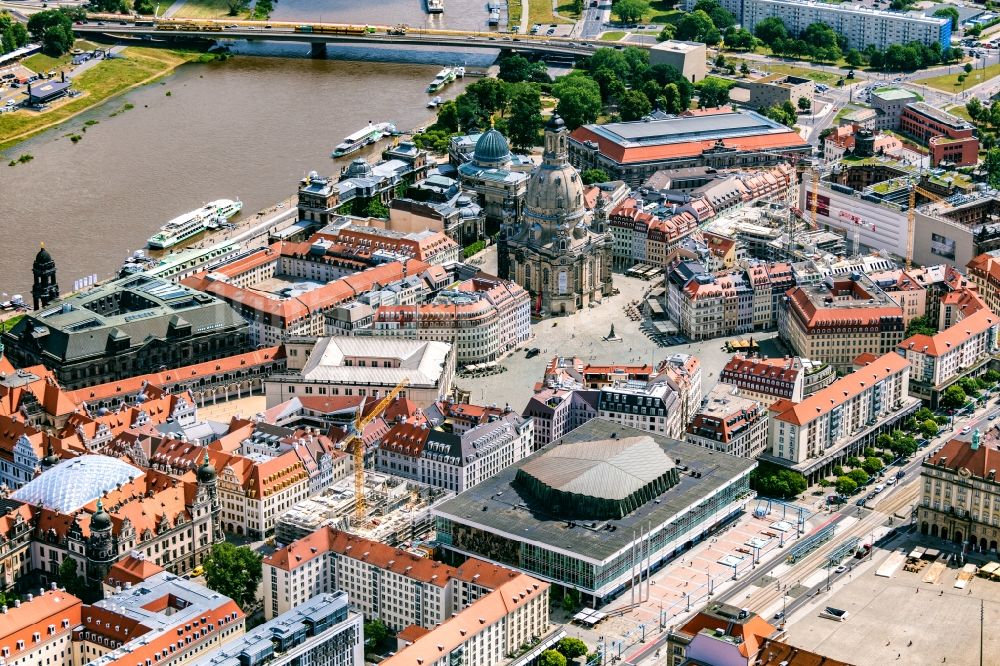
(112, 77)
(209, 9)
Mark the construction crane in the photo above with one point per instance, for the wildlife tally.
(361, 421)
(911, 217)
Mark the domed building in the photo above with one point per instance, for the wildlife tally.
(44, 288)
(497, 176)
(554, 248)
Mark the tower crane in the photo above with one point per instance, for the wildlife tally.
(361, 421)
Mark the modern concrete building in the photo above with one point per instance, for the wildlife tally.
(950, 138)
(719, 138)
(860, 26)
(688, 58)
(839, 421)
(570, 513)
(889, 104)
(777, 89)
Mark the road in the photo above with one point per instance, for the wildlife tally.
(592, 24)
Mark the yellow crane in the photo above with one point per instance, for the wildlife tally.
(911, 217)
(361, 421)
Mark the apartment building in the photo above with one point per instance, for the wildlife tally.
(557, 411)
(40, 629)
(861, 26)
(323, 631)
(730, 423)
(654, 407)
(963, 348)
(166, 620)
(484, 318)
(455, 461)
(768, 380)
(960, 494)
(382, 582)
(835, 321)
(839, 421)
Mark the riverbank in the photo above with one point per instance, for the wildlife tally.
(139, 66)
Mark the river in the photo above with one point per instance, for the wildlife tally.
(458, 14)
(250, 127)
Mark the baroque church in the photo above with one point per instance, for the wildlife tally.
(555, 248)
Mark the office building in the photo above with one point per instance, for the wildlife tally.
(950, 138)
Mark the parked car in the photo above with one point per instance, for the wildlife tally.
(879, 488)
(841, 569)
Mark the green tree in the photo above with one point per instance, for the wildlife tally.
(991, 164)
(838, 470)
(804, 103)
(237, 6)
(571, 648)
(669, 31)
(720, 60)
(846, 485)
(967, 68)
(524, 115)
(234, 571)
(144, 7)
(853, 461)
(969, 386)
(629, 11)
(551, 658)
(739, 39)
(948, 12)
(920, 326)
(515, 68)
(697, 26)
(375, 632)
(771, 31)
(773, 481)
(570, 600)
(859, 476)
(579, 100)
(54, 28)
(672, 99)
(447, 117)
(376, 208)
(633, 105)
(991, 376)
(721, 17)
(872, 465)
(591, 176)
(745, 69)
(929, 428)
(974, 108)
(70, 579)
(713, 92)
(854, 58)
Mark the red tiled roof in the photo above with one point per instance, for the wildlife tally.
(952, 337)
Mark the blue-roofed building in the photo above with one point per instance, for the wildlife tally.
(320, 632)
(496, 176)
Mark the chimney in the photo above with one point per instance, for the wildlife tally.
(62, 76)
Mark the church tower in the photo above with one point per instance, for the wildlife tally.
(208, 489)
(100, 546)
(44, 289)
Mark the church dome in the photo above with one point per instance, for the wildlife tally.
(100, 521)
(359, 168)
(206, 473)
(492, 148)
(43, 257)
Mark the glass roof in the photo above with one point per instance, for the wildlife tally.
(75, 483)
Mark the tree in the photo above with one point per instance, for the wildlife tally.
(838, 470)
(745, 69)
(551, 658)
(144, 7)
(591, 176)
(854, 58)
(784, 114)
(859, 476)
(920, 326)
(629, 11)
(237, 6)
(967, 68)
(713, 93)
(974, 108)
(633, 105)
(739, 38)
(949, 12)
(774, 481)
(720, 60)
(846, 485)
(69, 579)
(524, 115)
(991, 376)
(54, 28)
(668, 31)
(571, 648)
(579, 100)
(853, 461)
(515, 68)
(235, 572)
(672, 99)
(375, 632)
(721, 17)
(872, 465)
(991, 163)
(447, 118)
(804, 103)
(376, 208)
(697, 26)
(771, 30)
(570, 600)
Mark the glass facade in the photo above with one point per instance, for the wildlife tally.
(574, 572)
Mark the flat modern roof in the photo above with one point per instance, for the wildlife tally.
(942, 117)
(497, 505)
(895, 94)
(688, 127)
(678, 46)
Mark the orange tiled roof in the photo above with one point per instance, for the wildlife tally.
(53, 607)
(952, 337)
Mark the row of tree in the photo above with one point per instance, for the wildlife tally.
(53, 29)
(705, 23)
(821, 43)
